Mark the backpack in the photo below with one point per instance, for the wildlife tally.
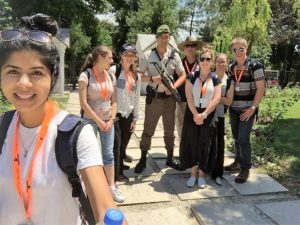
(66, 154)
(251, 66)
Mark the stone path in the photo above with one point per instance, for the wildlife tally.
(159, 196)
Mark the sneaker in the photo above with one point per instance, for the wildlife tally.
(233, 167)
(242, 177)
(191, 182)
(201, 182)
(117, 195)
(218, 181)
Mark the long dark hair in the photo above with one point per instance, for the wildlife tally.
(47, 50)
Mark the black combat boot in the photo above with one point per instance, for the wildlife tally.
(142, 163)
(173, 163)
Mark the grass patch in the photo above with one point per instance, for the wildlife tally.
(285, 145)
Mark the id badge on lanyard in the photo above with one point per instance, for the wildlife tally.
(105, 104)
(26, 223)
(203, 102)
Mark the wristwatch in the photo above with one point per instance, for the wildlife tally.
(151, 79)
(204, 115)
(253, 107)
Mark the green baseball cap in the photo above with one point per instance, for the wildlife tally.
(163, 29)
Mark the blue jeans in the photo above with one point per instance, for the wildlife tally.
(241, 131)
(107, 145)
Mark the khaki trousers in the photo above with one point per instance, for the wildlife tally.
(164, 107)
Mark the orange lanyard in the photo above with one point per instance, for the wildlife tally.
(129, 80)
(17, 174)
(240, 75)
(188, 68)
(203, 88)
(104, 88)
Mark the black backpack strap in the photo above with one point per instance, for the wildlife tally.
(66, 157)
(118, 70)
(5, 120)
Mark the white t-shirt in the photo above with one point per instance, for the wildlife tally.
(52, 202)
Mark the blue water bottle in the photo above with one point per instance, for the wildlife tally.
(113, 217)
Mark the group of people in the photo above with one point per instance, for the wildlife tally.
(30, 178)
(208, 86)
(109, 96)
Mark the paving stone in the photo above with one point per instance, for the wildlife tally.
(161, 152)
(161, 216)
(135, 153)
(283, 213)
(211, 191)
(227, 214)
(139, 127)
(161, 163)
(228, 154)
(138, 191)
(257, 184)
(133, 143)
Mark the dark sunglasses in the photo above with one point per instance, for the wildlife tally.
(202, 59)
(191, 45)
(235, 50)
(34, 35)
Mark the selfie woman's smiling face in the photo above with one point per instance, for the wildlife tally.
(25, 80)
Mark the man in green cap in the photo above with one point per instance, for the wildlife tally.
(162, 103)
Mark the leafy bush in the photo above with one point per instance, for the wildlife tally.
(4, 104)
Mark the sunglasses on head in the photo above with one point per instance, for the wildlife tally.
(34, 35)
(202, 59)
(235, 50)
(191, 45)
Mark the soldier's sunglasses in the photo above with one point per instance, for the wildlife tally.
(34, 35)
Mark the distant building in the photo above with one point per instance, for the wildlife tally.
(62, 42)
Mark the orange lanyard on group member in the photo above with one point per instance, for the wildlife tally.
(238, 78)
(104, 88)
(129, 80)
(51, 109)
(188, 68)
(203, 88)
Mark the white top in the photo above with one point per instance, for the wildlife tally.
(127, 102)
(52, 201)
(200, 101)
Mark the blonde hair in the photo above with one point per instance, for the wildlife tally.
(91, 58)
(239, 40)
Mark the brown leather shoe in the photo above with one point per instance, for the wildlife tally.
(233, 167)
(242, 177)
